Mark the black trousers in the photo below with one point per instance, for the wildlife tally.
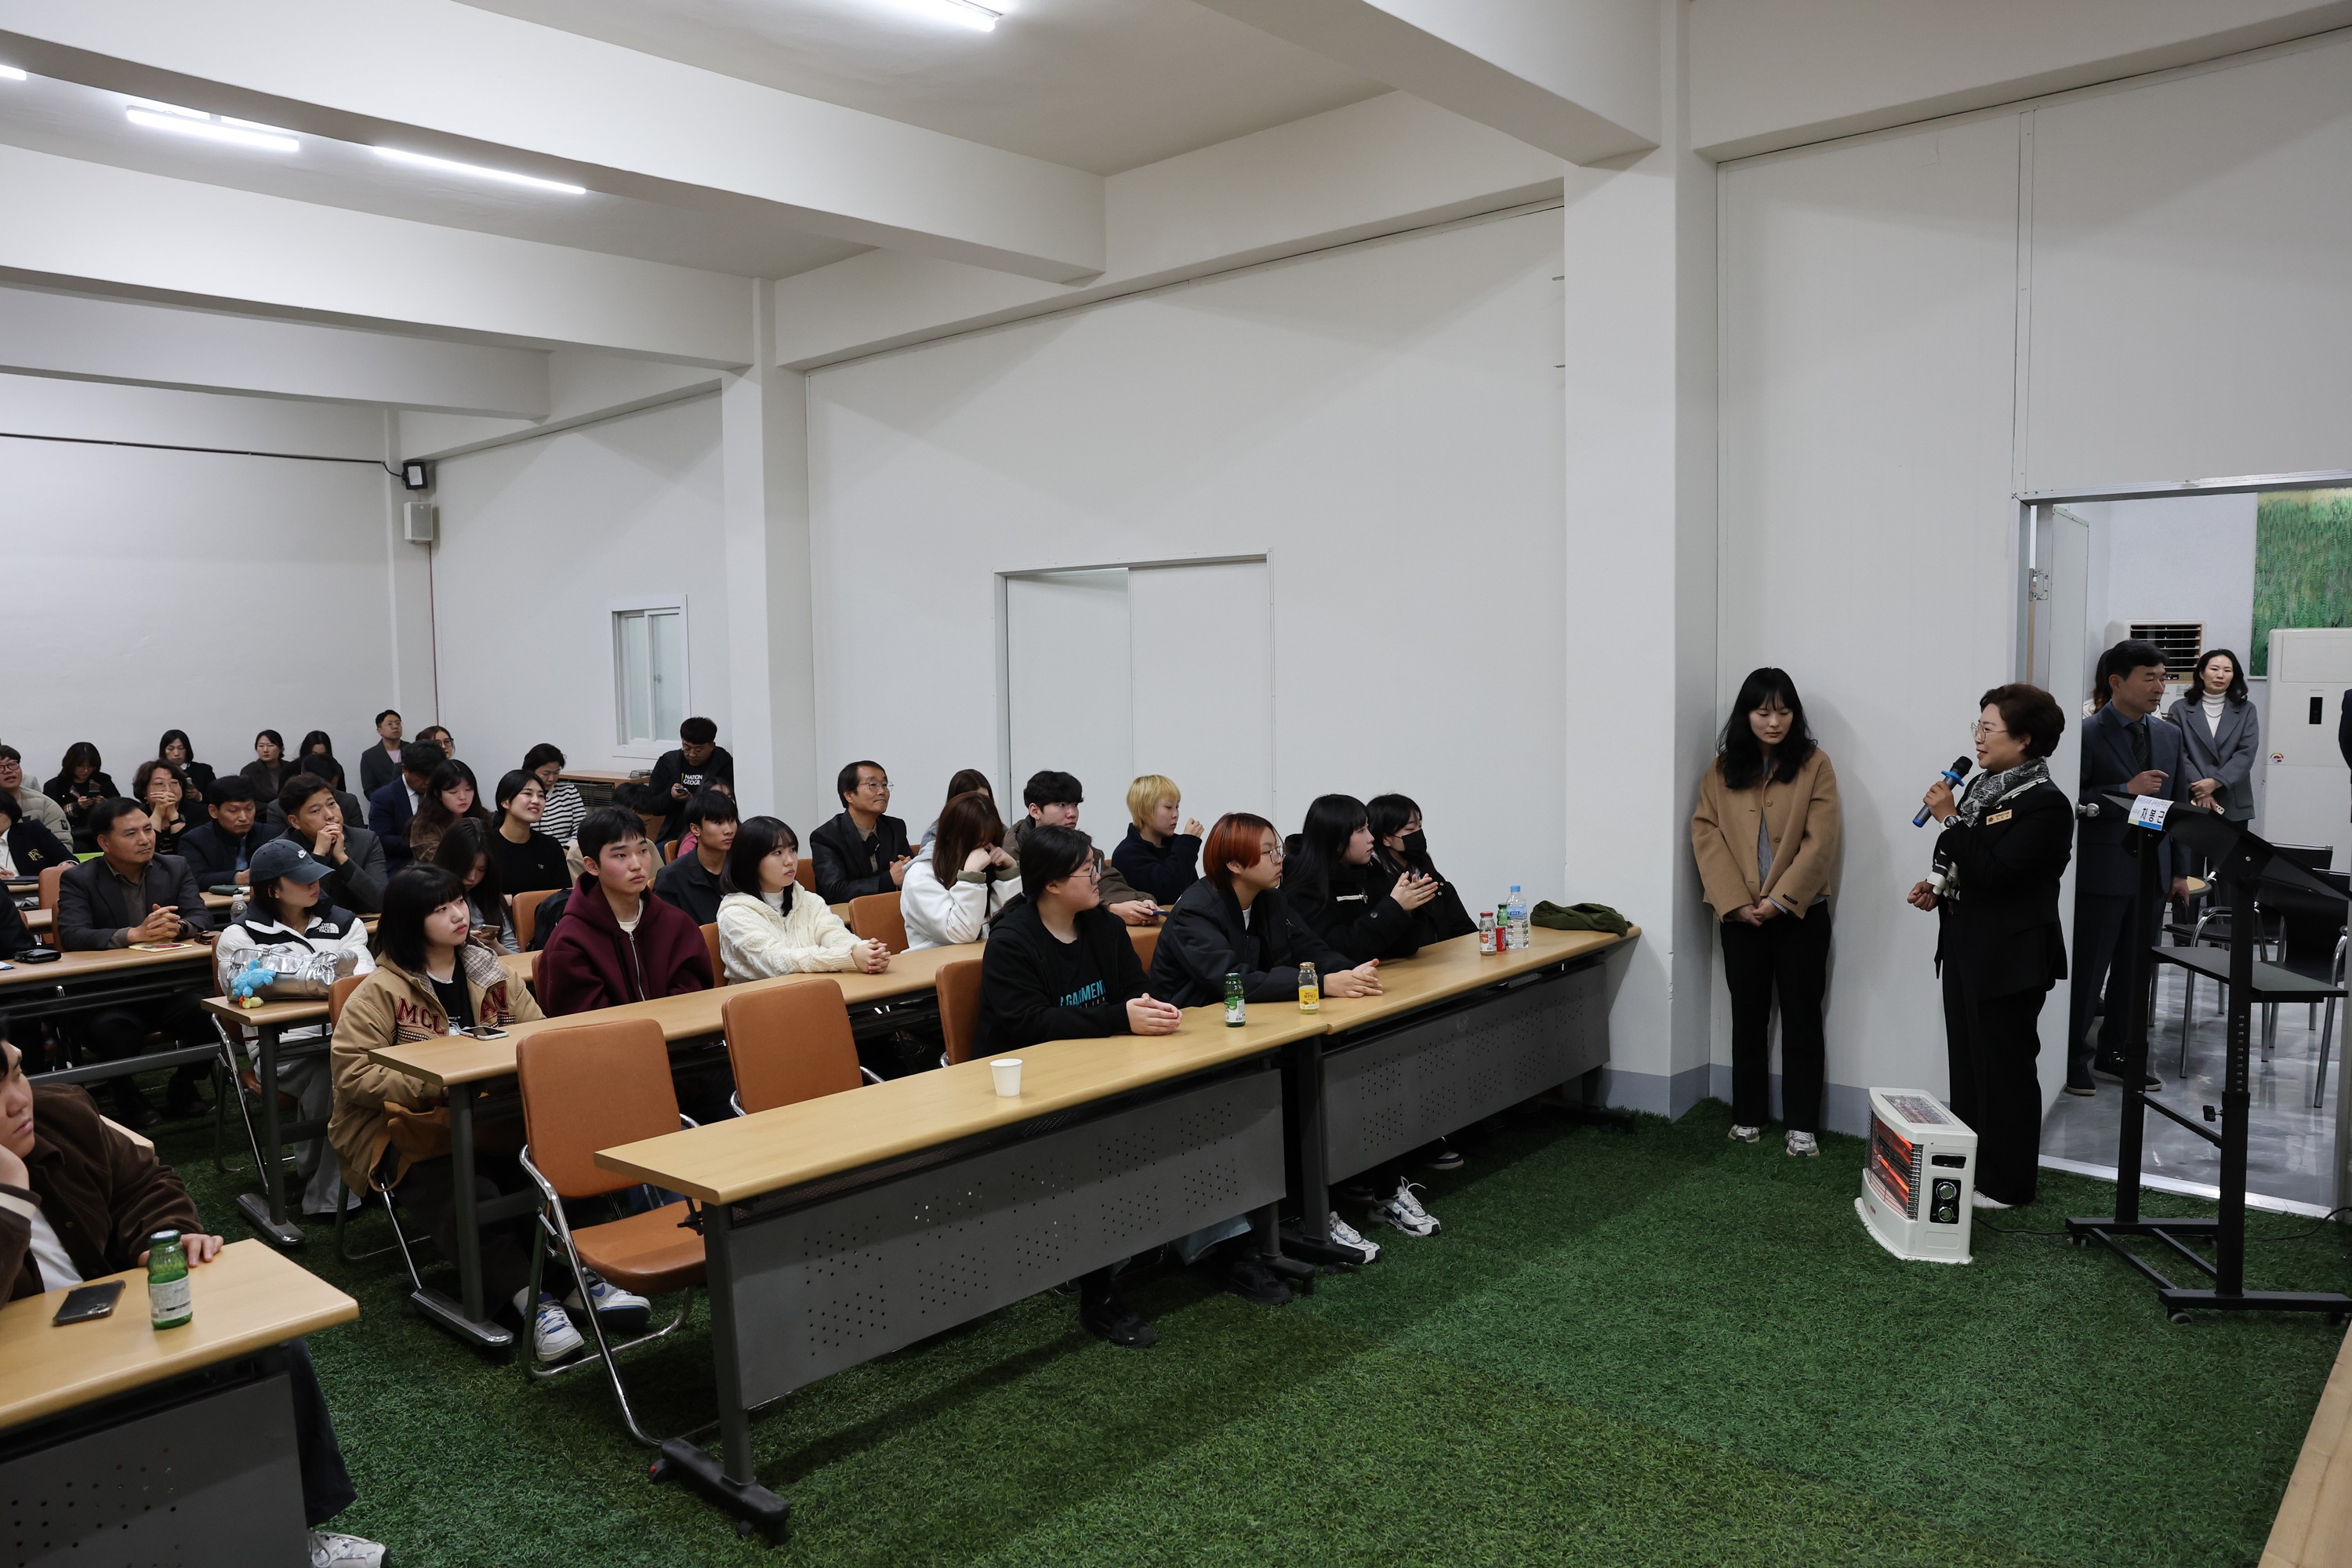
(2102, 936)
(1993, 1043)
(327, 1486)
(117, 1032)
(429, 1192)
(1789, 957)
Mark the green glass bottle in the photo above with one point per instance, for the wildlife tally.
(169, 1301)
(1236, 1008)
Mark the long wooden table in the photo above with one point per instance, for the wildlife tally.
(160, 1437)
(39, 920)
(2314, 1527)
(467, 1068)
(844, 1227)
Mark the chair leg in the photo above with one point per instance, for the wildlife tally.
(244, 1108)
(2269, 1028)
(400, 1238)
(2319, 1079)
(342, 1213)
(2188, 1011)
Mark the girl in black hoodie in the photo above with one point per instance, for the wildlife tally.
(1058, 966)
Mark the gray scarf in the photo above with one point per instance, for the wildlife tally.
(1986, 790)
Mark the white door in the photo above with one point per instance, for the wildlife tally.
(2068, 586)
(1203, 681)
(1069, 704)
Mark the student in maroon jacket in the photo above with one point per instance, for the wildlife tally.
(616, 943)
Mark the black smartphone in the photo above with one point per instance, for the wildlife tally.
(40, 956)
(484, 1032)
(87, 1303)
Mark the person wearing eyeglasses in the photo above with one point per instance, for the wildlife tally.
(1999, 945)
(1765, 835)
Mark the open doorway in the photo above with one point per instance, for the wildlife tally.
(2261, 568)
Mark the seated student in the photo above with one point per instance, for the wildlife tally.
(220, 852)
(528, 860)
(464, 853)
(1058, 967)
(392, 808)
(691, 837)
(1333, 884)
(1236, 919)
(380, 763)
(1399, 847)
(699, 763)
(963, 780)
(79, 1201)
(438, 735)
(317, 755)
(614, 943)
(863, 850)
(81, 783)
(32, 806)
(769, 924)
(450, 797)
(954, 890)
(308, 945)
(155, 786)
(691, 881)
(560, 819)
(179, 753)
(314, 821)
(15, 937)
(430, 980)
(1154, 858)
(267, 772)
(1053, 799)
(26, 849)
(129, 894)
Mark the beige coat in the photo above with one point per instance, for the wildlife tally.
(1801, 816)
(393, 1006)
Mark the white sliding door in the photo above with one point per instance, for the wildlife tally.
(1203, 664)
(1068, 703)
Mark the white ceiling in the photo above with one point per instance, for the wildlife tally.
(76, 122)
(1101, 85)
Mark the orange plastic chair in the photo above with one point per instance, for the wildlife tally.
(51, 877)
(806, 873)
(654, 824)
(669, 850)
(591, 1087)
(1146, 942)
(526, 915)
(339, 993)
(789, 1043)
(875, 916)
(711, 942)
(957, 985)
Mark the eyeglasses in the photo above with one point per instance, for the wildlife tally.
(1275, 853)
(1980, 731)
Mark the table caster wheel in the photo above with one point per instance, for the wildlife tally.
(2179, 1316)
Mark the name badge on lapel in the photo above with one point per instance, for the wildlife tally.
(1999, 817)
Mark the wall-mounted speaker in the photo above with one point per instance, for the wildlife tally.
(422, 519)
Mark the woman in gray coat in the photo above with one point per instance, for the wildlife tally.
(2222, 734)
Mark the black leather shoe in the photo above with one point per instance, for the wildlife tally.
(1114, 1320)
(1253, 1282)
(131, 1110)
(2112, 1069)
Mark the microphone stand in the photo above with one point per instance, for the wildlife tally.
(2243, 859)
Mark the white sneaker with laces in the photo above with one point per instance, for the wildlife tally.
(552, 1337)
(616, 1307)
(1804, 1145)
(1402, 1211)
(1348, 1235)
(329, 1550)
(1743, 1134)
(1977, 1200)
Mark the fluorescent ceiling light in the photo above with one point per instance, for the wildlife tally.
(167, 108)
(972, 14)
(213, 130)
(453, 166)
(11, 73)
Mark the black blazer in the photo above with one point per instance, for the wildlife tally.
(89, 908)
(846, 869)
(1206, 938)
(2107, 871)
(1355, 913)
(2003, 932)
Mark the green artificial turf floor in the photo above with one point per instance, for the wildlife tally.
(1657, 1349)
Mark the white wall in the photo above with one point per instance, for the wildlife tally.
(537, 538)
(1384, 422)
(136, 579)
(2190, 559)
(2184, 284)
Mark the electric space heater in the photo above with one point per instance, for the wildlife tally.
(1921, 1176)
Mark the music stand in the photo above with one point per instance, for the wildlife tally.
(2243, 862)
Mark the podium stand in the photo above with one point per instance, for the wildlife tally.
(2244, 863)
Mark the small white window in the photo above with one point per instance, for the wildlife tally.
(649, 680)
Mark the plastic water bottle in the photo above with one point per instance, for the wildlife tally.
(1310, 989)
(1519, 917)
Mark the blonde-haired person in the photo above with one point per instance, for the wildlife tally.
(1154, 856)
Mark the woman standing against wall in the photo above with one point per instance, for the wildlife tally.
(1766, 837)
(1999, 943)
(2222, 732)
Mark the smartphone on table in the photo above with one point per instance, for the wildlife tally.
(87, 1303)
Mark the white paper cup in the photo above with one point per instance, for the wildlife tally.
(1007, 1070)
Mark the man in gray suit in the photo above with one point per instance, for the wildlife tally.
(2126, 750)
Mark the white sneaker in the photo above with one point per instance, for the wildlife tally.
(328, 1550)
(1348, 1235)
(1977, 1200)
(1743, 1134)
(552, 1337)
(1402, 1211)
(1804, 1145)
(616, 1308)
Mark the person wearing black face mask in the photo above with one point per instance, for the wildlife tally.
(1400, 846)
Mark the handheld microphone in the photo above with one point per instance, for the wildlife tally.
(1955, 772)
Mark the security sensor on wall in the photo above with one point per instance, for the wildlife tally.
(421, 522)
(416, 475)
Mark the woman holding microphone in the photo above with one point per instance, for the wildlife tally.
(1766, 838)
(1999, 945)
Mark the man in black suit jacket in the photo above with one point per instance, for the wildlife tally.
(393, 806)
(2127, 749)
(130, 894)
